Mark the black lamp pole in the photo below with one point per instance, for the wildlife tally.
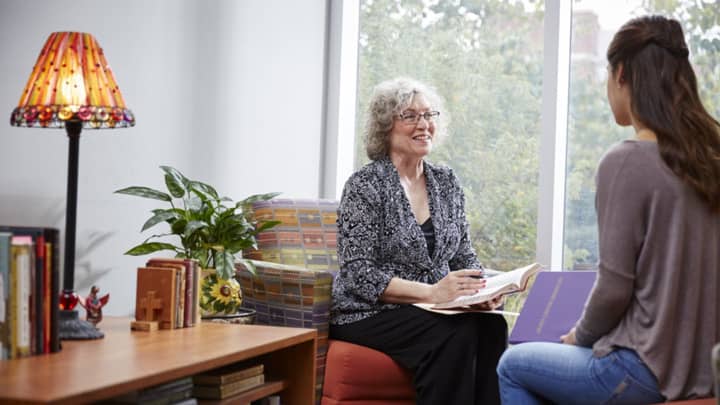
(71, 326)
(73, 129)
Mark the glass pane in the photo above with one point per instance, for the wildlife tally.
(485, 58)
(591, 127)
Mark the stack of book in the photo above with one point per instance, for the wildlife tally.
(173, 392)
(168, 291)
(29, 288)
(228, 381)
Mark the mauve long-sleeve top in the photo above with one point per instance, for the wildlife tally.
(658, 285)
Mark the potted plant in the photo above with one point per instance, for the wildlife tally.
(210, 228)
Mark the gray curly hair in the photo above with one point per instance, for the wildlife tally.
(389, 99)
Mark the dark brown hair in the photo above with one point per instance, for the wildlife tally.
(665, 99)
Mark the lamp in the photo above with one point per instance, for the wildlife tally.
(72, 87)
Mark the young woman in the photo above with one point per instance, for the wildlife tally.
(652, 318)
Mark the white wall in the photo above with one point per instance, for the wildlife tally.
(229, 92)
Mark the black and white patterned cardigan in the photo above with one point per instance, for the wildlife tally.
(379, 237)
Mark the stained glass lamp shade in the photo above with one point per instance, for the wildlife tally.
(72, 87)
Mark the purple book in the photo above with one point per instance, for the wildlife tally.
(554, 304)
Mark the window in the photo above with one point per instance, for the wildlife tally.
(591, 128)
(485, 58)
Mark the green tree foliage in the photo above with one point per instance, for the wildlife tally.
(485, 59)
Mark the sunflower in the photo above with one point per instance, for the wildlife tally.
(220, 295)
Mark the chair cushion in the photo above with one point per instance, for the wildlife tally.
(306, 235)
(358, 373)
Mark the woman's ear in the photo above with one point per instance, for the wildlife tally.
(618, 77)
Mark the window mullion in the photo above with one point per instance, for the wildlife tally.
(553, 139)
(340, 97)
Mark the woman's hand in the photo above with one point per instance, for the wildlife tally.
(456, 284)
(569, 338)
(489, 305)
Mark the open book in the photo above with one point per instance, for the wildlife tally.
(504, 283)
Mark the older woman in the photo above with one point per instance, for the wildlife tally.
(403, 239)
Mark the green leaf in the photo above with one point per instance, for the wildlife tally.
(193, 226)
(145, 192)
(159, 217)
(238, 245)
(151, 247)
(259, 197)
(204, 188)
(159, 235)
(178, 177)
(178, 227)
(175, 188)
(202, 257)
(248, 265)
(193, 203)
(224, 264)
(265, 225)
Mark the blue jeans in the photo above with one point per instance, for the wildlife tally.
(541, 373)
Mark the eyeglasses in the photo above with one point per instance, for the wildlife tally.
(412, 117)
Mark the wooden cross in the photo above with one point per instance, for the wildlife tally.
(149, 304)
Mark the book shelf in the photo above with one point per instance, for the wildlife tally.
(125, 360)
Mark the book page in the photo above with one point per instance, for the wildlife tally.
(485, 294)
(495, 286)
(517, 278)
(431, 308)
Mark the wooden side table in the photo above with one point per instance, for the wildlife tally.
(125, 360)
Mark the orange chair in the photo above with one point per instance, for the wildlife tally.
(359, 375)
(295, 265)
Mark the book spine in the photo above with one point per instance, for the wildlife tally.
(53, 235)
(178, 322)
(226, 390)
(47, 277)
(139, 312)
(38, 319)
(12, 311)
(22, 338)
(32, 297)
(198, 280)
(229, 377)
(4, 295)
(188, 319)
(183, 303)
(25, 337)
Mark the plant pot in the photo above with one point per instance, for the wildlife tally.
(244, 316)
(219, 296)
